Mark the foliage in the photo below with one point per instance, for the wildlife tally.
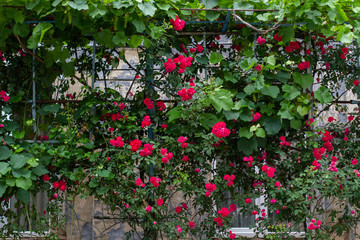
(236, 116)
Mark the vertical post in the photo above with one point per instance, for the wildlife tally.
(33, 91)
(204, 45)
(149, 81)
(93, 66)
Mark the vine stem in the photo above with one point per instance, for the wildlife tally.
(28, 218)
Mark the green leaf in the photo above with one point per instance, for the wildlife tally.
(249, 89)
(253, 128)
(156, 31)
(39, 170)
(19, 135)
(295, 124)
(120, 38)
(259, 82)
(106, 174)
(51, 108)
(304, 80)
(105, 38)
(56, 2)
(33, 162)
(24, 183)
(229, 77)
(247, 63)
(202, 59)
(147, 8)
(244, 132)
(121, 3)
(291, 92)
(135, 41)
(208, 120)
(163, 6)
(260, 132)
(79, 4)
(102, 190)
(209, 3)
(340, 15)
(10, 182)
(174, 114)
(23, 196)
(302, 110)
(344, 34)
(285, 111)
(271, 60)
(272, 125)
(99, 10)
(246, 115)
(139, 25)
(5, 153)
(68, 68)
(17, 161)
(282, 76)
(216, 57)
(3, 187)
(247, 146)
(271, 91)
(38, 34)
(212, 15)
(230, 115)
(21, 29)
(287, 33)
(323, 95)
(4, 168)
(221, 99)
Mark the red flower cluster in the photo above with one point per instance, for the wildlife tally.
(178, 209)
(146, 121)
(177, 23)
(268, 170)
(220, 130)
(283, 141)
(167, 155)
(343, 52)
(46, 178)
(198, 48)
(292, 46)
(155, 181)
(210, 188)
(356, 82)
(277, 37)
(61, 185)
(224, 212)
(161, 105)
(181, 61)
(4, 96)
(148, 103)
(191, 224)
(256, 116)
(230, 180)
(185, 158)
(139, 182)
(118, 142)
(258, 67)
(313, 225)
(147, 150)
(232, 235)
(332, 166)
(135, 145)
(260, 40)
(304, 65)
(160, 202)
(249, 160)
(186, 94)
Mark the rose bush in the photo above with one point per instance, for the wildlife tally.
(244, 129)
